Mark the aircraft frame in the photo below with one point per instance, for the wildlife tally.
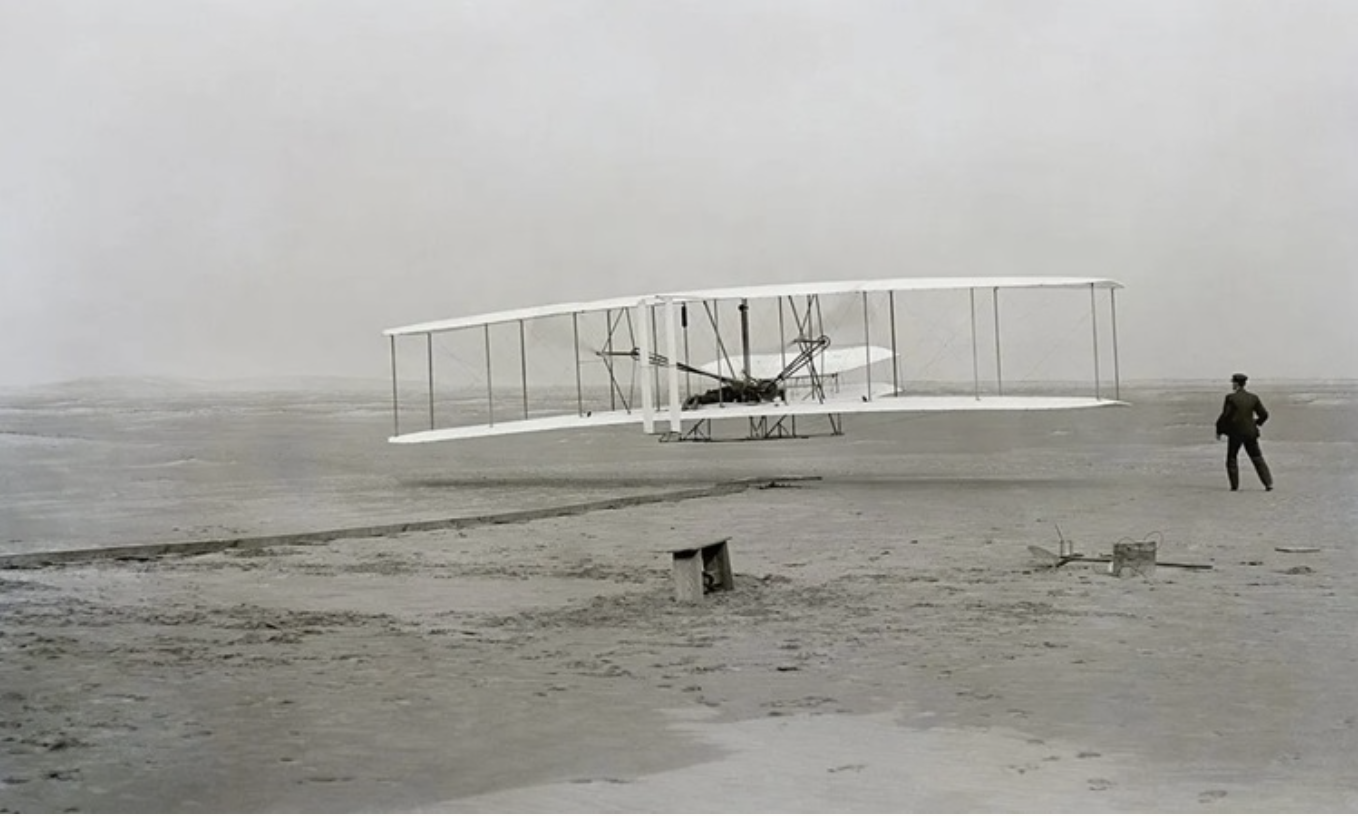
(648, 338)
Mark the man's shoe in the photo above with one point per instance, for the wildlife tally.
(1268, 487)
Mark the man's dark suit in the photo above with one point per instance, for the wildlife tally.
(1238, 424)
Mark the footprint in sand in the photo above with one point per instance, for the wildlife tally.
(1210, 796)
(63, 774)
(1098, 784)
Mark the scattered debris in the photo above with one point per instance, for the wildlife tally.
(1067, 554)
(1133, 558)
(1054, 560)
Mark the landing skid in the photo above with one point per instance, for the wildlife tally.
(759, 429)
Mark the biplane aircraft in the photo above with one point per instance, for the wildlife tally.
(770, 355)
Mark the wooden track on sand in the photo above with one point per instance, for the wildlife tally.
(146, 552)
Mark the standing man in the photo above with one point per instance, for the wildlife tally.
(1237, 423)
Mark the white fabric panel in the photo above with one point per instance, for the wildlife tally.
(752, 292)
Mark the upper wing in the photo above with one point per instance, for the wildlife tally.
(891, 285)
(766, 291)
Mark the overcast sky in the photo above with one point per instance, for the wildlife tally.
(236, 189)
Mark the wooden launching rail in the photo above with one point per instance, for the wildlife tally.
(146, 552)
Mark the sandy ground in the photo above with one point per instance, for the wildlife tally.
(891, 644)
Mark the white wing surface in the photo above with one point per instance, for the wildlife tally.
(755, 292)
(878, 405)
(539, 424)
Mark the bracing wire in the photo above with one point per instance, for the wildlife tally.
(1059, 342)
